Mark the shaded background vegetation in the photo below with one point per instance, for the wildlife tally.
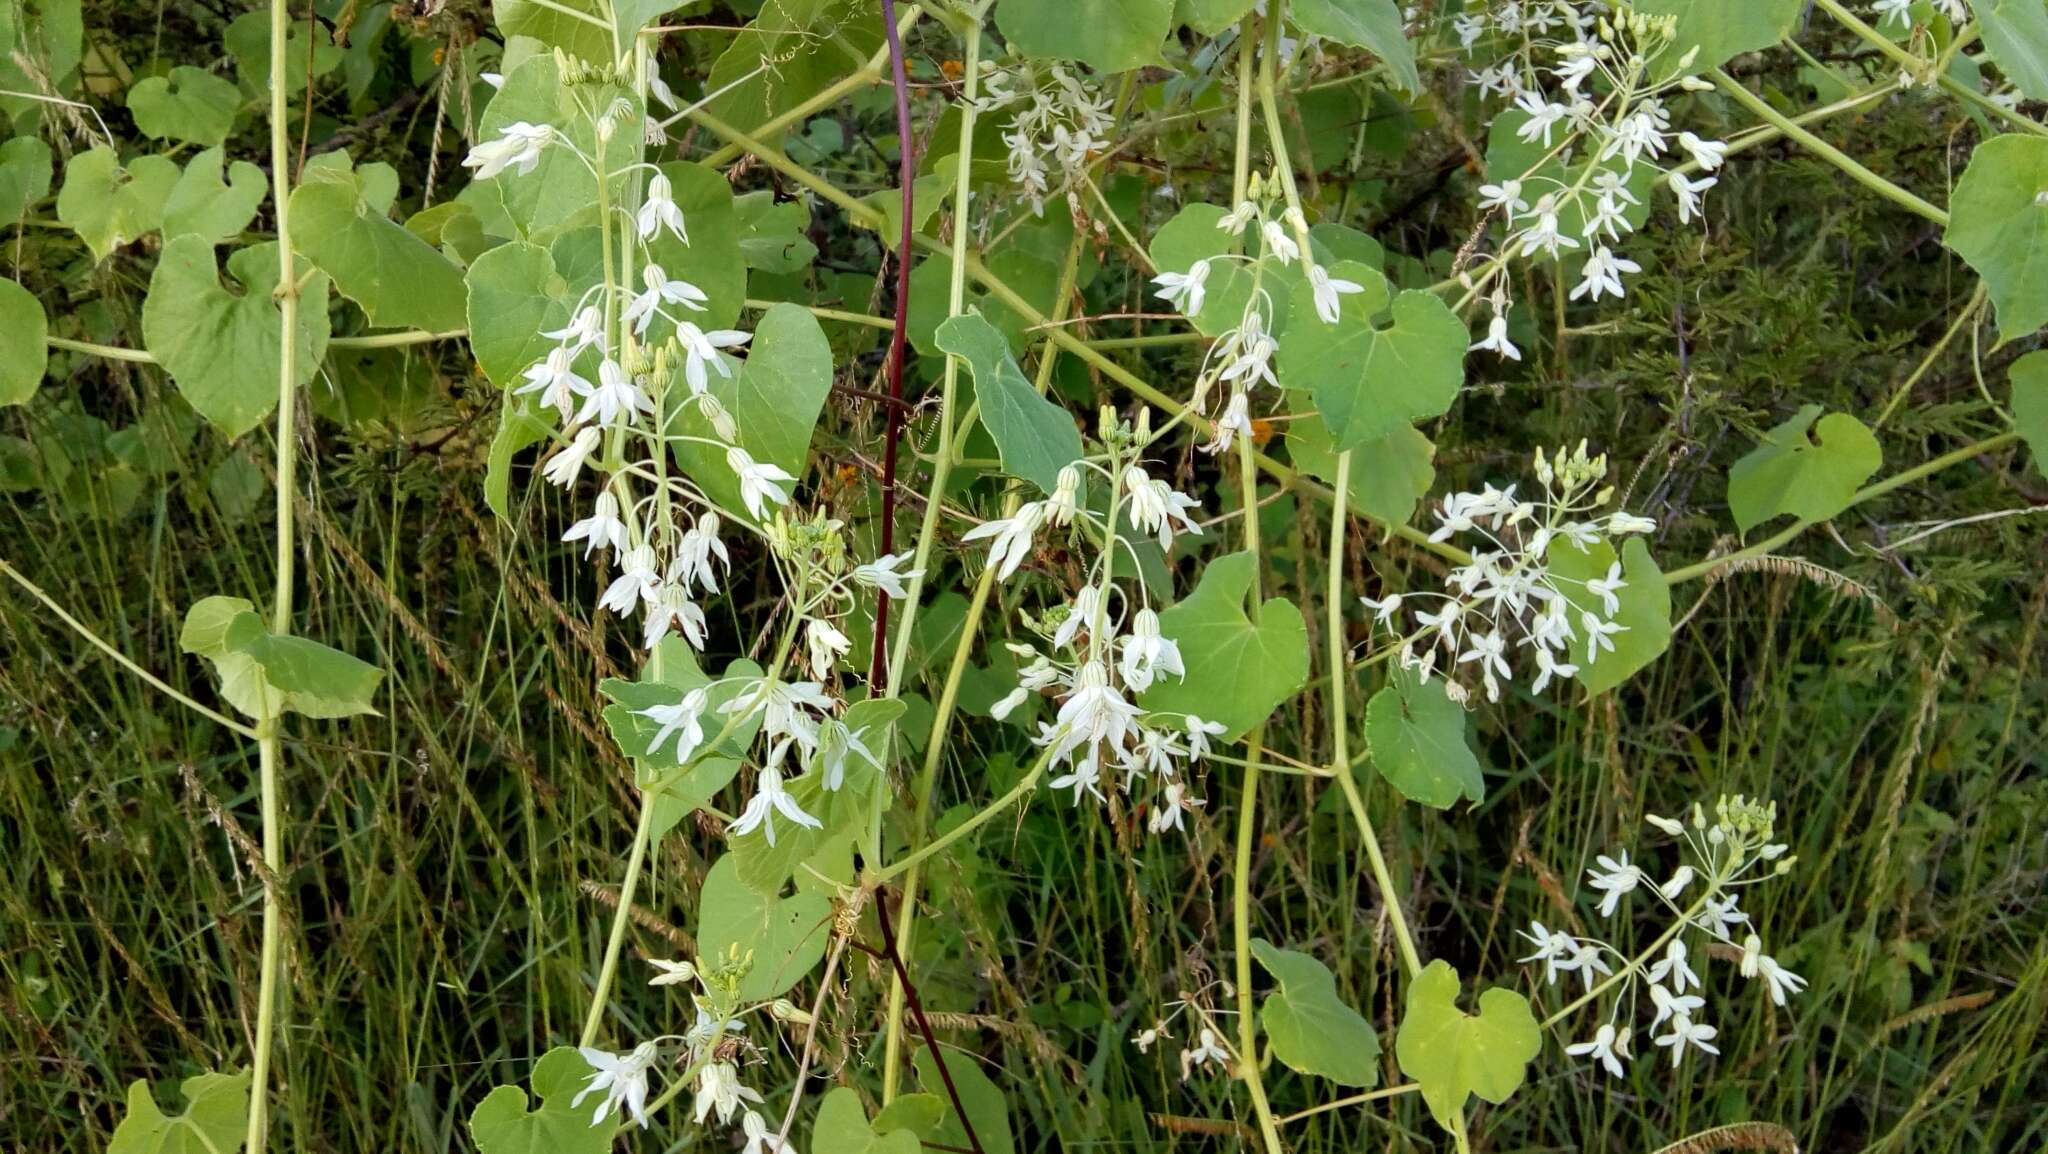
(451, 860)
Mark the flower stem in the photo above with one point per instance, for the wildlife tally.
(600, 996)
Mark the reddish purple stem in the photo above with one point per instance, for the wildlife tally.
(906, 176)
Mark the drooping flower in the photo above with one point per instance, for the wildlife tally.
(622, 1077)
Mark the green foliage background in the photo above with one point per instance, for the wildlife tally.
(452, 857)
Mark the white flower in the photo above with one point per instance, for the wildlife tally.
(769, 796)
(671, 608)
(1601, 1048)
(1602, 274)
(718, 1088)
(1146, 653)
(585, 328)
(1719, 915)
(563, 467)
(760, 482)
(1680, 879)
(1708, 154)
(639, 312)
(1156, 507)
(1083, 612)
(637, 581)
(1085, 777)
(1688, 194)
(1544, 236)
(826, 645)
(1012, 537)
(556, 380)
(1184, 290)
(1607, 216)
(1780, 980)
(694, 552)
(1555, 951)
(701, 349)
(1199, 733)
(1250, 352)
(836, 745)
(1278, 243)
(782, 705)
(1234, 221)
(616, 395)
(760, 1140)
(1574, 70)
(1506, 196)
(1685, 1032)
(519, 145)
(1548, 667)
(1208, 1048)
(1544, 116)
(1327, 290)
(1066, 497)
(1619, 879)
(1497, 339)
(602, 529)
(1383, 611)
(623, 1078)
(1606, 587)
(1670, 1005)
(1174, 805)
(1096, 713)
(1674, 967)
(1008, 703)
(1889, 11)
(674, 973)
(659, 211)
(1667, 825)
(881, 574)
(1590, 965)
(1597, 634)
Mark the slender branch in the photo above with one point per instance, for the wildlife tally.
(906, 176)
(1828, 152)
(917, 1012)
(368, 341)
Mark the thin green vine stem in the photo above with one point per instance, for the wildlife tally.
(1969, 313)
(600, 994)
(868, 74)
(1849, 165)
(1872, 36)
(927, 537)
(268, 748)
(908, 864)
(1699, 569)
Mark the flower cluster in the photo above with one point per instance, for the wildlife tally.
(1590, 89)
(1207, 1043)
(1100, 648)
(1514, 598)
(1242, 356)
(1059, 119)
(1720, 857)
(712, 1052)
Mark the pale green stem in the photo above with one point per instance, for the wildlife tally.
(593, 1019)
(1828, 152)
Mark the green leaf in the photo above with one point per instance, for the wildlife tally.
(772, 235)
(1454, 1054)
(515, 295)
(222, 348)
(581, 31)
(1644, 613)
(776, 396)
(1998, 222)
(842, 1128)
(214, 1122)
(981, 1098)
(1036, 437)
(1369, 381)
(791, 52)
(108, 205)
(1211, 17)
(24, 332)
(1722, 29)
(1106, 35)
(1237, 672)
(2030, 404)
(785, 936)
(373, 182)
(202, 204)
(1310, 1027)
(190, 105)
(248, 41)
(264, 674)
(1192, 236)
(521, 424)
(2016, 34)
(560, 194)
(1811, 475)
(24, 175)
(501, 1123)
(1417, 737)
(399, 280)
(1374, 25)
(1388, 476)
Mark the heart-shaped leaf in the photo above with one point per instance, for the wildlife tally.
(108, 205)
(772, 234)
(515, 295)
(1417, 737)
(1237, 672)
(204, 205)
(1106, 35)
(25, 332)
(980, 1097)
(190, 105)
(1454, 1054)
(785, 936)
(2016, 33)
(1998, 222)
(1388, 476)
(2030, 404)
(1720, 29)
(265, 674)
(1035, 437)
(1811, 475)
(221, 347)
(1644, 610)
(24, 175)
(398, 279)
(214, 1122)
(842, 1127)
(1310, 1027)
(1368, 380)
(1374, 25)
(776, 396)
(502, 1124)
(790, 52)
